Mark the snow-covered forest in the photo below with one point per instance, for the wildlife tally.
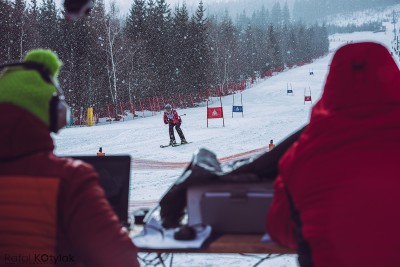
(307, 11)
(313, 10)
(155, 50)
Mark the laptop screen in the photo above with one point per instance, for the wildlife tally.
(244, 205)
(114, 172)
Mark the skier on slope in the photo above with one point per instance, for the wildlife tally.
(172, 118)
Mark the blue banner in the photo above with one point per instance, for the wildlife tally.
(237, 109)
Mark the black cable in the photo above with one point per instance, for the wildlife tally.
(261, 258)
(158, 259)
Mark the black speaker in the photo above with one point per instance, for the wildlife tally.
(58, 108)
(77, 8)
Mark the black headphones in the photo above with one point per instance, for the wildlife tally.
(58, 108)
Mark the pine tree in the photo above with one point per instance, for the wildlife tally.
(276, 15)
(249, 51)
(97, 70)
(32, 20)
(135, 22)
(159, 24)
(229, 44)
(140, 76)
(201, 61)
(75, 50)
(181, 53)
(303, 44)
(273, 49)
(292, 48)
(286, 14)
(165, 46)
(18, 31)
(49, 25)
(215, 47)
(5, 30)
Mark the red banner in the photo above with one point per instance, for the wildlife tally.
(215, 113)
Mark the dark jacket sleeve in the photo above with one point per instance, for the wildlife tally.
(91, 225)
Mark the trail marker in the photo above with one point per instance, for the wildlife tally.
(289, 90)
(307, 96)
(236, 108)
(215, 112)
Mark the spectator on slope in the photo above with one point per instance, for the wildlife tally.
(336, 194)
(172, 118)
(271, 145)
(52, 208)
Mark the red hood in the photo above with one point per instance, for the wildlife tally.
(21, 133)
(343, 173)
(362, 76)
(360, 106)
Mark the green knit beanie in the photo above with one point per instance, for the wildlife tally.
(26, 88)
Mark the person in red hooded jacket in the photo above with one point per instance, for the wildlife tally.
(337, 192)
(53, 210)
(172, 118)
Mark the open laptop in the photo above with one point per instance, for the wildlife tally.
(230, 208)
(114, 172)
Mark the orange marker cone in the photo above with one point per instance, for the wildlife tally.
(271, 145)
(100, 153)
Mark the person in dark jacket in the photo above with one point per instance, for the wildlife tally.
(337, 192)
(53, 210)
(172, 118)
